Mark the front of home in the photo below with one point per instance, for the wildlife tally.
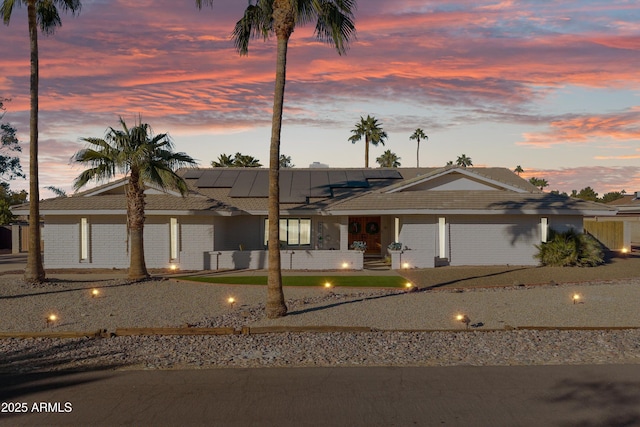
(330, 219)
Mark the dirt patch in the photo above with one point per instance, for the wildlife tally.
(484, 276)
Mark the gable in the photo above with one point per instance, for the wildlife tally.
(453, 182)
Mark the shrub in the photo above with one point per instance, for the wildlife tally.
(570, 248)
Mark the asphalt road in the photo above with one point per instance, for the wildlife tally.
(603, 395)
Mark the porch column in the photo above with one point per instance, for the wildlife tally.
(344, 234)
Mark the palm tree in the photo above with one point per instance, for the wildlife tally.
(285, 162)
(263, 18)
(542, 183)
(224, 161)
(145, 159)
(45, 14)
(388, 160)
(464, 161)
(418, 135)
(372, 132)
(518, 170)
(246, 161)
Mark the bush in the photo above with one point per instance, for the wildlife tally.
(570, 248)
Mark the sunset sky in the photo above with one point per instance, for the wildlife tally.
(553, 86)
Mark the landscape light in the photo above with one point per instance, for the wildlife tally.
(576, 298)
(231, 301)
(345, 265)
(173, 267)
(405, 265)
(625, 250)
(464, 319)
(327, 285)
(52, 318)
(408, 285)
(94, 293)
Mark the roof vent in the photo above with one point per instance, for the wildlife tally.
(318, 165)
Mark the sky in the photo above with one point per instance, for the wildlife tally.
(550, 85)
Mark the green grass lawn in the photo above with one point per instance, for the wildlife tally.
(352, 281)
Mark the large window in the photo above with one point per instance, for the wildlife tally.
(293, 231)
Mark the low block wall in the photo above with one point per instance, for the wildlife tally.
(290, 260)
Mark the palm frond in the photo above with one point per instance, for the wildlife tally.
(6, 9)
(257, 22)
(335, 23)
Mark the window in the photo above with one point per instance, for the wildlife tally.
(84, 239)
(173, 238)
(293, 231)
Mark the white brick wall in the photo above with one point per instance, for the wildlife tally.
(295, 260)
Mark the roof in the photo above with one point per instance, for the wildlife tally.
(231, 191)
(627, 204)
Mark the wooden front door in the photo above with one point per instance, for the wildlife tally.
(366, 229)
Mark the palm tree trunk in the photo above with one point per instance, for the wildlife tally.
(34, 271)
(418, 154)
(135, 215)
(366, 151)
(284, 22)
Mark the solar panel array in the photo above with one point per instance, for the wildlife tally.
(296, 185)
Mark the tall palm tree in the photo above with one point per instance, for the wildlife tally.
(145, 159)
(43, 13)
(464, 161)
(418, 135)
(263, 18)
(518, 170)
(372, 132)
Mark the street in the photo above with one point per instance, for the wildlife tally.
(594, 395)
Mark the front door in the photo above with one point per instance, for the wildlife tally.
(366, 229)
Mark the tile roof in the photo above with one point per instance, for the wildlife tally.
(227, 190)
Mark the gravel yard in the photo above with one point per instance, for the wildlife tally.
(169, 303)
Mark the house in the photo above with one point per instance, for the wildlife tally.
(621, 232)
(438, 216)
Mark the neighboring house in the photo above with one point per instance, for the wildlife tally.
(622, 232)
(441, 216)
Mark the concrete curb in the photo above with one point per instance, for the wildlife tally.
(260, 330)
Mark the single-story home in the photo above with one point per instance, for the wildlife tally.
(621, 232)
(330, 219)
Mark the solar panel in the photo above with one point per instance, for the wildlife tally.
(227, 178)
(193, 173)
(208, 179)
(356, 179)
(243, 184)
(320, 184)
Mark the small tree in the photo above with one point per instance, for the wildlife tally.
(388, 160)
(145, 159)
(464, 161)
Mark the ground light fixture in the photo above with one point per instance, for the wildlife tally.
(328, 285)
(173, 267)
(231, 301)
(464, 319)
(95, 293)
(408, 285)
(405, 265)
(345, 265)
(576, 298)
(51, 319)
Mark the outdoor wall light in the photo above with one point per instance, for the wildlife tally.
(94, 293)
(464, 319)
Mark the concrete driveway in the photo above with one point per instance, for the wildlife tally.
(12, 262)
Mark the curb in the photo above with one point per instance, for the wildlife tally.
(260, 330)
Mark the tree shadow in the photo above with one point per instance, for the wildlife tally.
(611, 403)
(464, 279)
(31, 370)
(77, 289)
(339, 303)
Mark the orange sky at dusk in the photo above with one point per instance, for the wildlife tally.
(552, 86)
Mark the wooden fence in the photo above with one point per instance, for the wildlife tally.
(609, 233)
